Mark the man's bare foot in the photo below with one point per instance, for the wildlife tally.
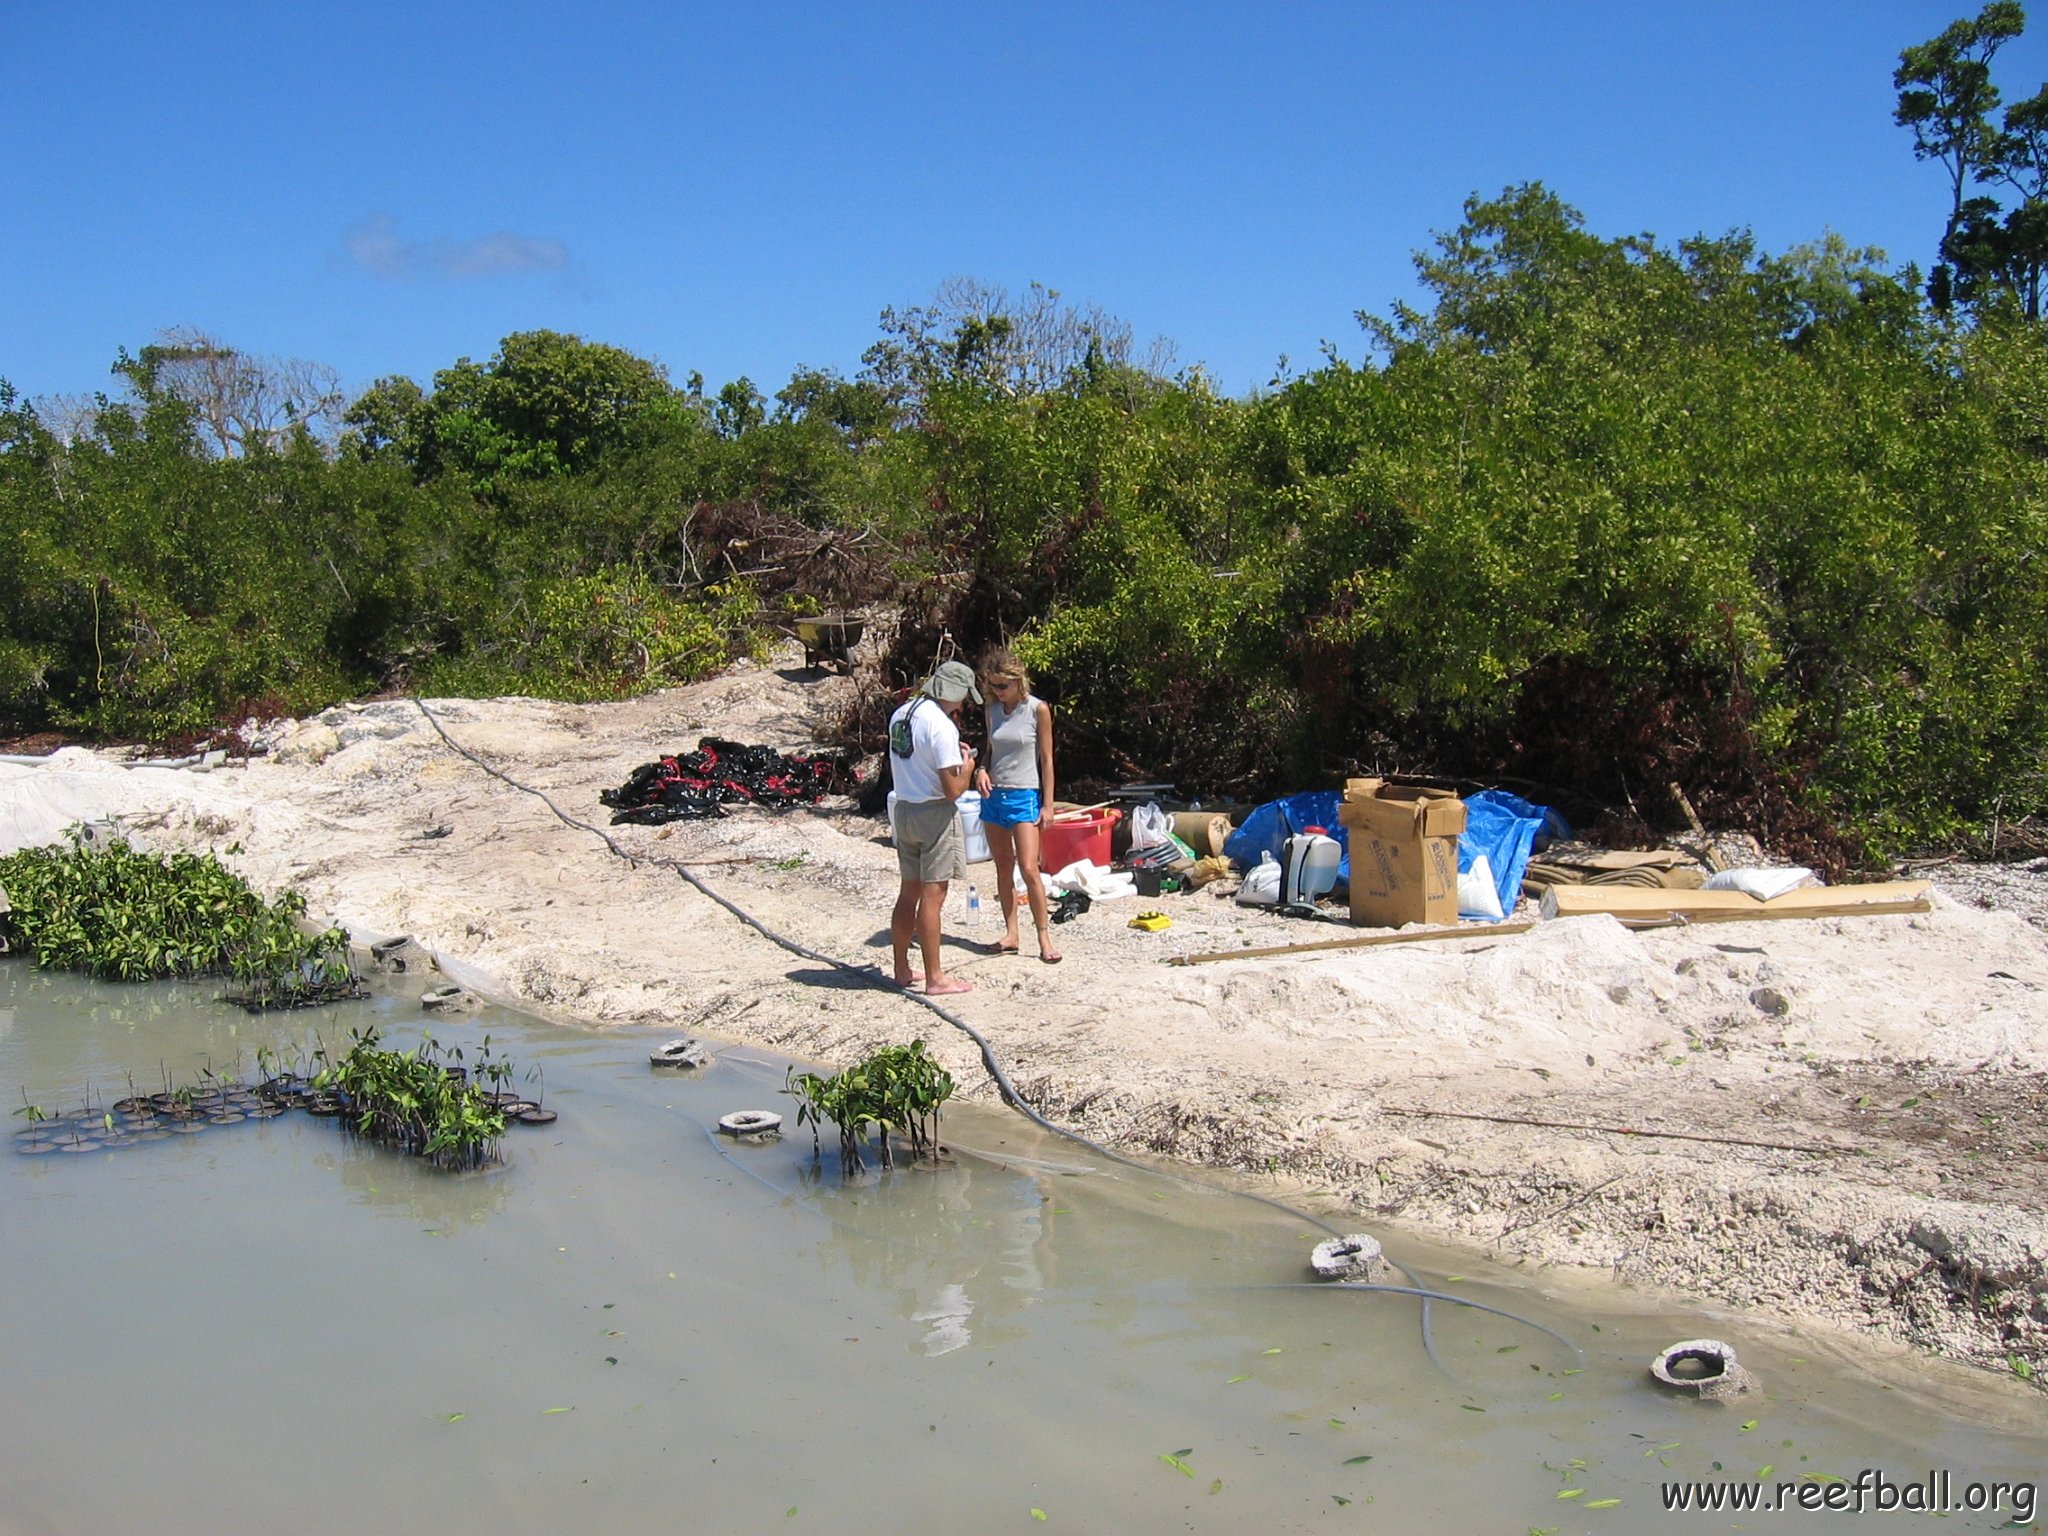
(912, 980)
(946, 986)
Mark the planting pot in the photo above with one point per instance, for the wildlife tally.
(680, 1052)
(533, 1114)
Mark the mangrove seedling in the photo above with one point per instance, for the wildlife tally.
(897, 1088)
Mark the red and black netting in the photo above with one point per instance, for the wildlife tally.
(689, 785)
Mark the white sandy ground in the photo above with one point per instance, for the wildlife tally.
(1910, 1051)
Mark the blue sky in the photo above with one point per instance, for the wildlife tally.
(741, 189)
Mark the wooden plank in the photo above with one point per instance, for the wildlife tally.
(1769, 914)
(1491, 930)
(1630, 901)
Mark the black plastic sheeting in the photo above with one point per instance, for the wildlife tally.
(691, 785)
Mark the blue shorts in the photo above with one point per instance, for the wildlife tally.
(1009, 808)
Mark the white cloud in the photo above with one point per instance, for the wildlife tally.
(375, 245)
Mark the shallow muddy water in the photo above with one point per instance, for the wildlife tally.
(633, 1325)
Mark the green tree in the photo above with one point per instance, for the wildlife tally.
(1947, 98)
(545, 404)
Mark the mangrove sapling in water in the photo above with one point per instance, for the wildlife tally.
(409, 1101)
(899, 1087)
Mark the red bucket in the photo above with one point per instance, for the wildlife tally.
(1075, 835)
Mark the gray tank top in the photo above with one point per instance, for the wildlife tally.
(1013, 745)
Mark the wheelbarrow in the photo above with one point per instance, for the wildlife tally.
(828, 639)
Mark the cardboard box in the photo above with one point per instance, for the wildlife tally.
(1404, 852)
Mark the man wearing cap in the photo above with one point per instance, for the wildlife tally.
(931, 769)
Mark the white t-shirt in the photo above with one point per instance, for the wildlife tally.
(934, 742)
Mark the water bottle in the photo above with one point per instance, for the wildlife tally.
(973, 906)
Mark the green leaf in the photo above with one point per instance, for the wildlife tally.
(1553, 1397)
(1471, 1407)
(1507, 1349)
(1571, 1493)
(1765, 1471)
(547, 1411)
(1354, 1461)
(1234, 1380)
(1174, 1461)
(1602, 1503)
(1216, 1486)
(1748, 1426)
(455, 1418)
(1340, 1498)
(1272, 1351)
(1037, 1514)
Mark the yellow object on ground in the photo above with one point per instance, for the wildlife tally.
(1151, 922)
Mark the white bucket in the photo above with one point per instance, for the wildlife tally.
(970, 823)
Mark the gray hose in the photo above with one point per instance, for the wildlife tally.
(1004, 1087)
(1427, 1297)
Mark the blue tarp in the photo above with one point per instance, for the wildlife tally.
(1277, 820)
(1504, 828)
(1500, 825)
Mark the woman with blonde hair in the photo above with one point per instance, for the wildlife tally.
(1016, 788)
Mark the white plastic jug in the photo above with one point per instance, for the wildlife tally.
(1310, 860)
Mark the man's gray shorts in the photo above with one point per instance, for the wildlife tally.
(930, 844)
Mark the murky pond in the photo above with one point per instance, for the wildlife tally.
(634, 1325)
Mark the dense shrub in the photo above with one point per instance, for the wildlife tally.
(1604, 515)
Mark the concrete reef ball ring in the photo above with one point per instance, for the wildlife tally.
(750, 1122)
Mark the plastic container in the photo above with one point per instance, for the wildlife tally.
(1309, 861)
(970, 823)
(1074, 835)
